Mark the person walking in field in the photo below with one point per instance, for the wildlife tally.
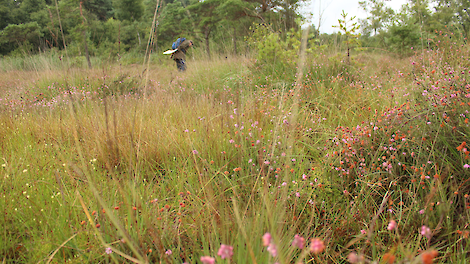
(181, 45)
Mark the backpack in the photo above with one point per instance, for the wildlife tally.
(177, 43)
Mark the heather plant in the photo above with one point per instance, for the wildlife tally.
(410, 159)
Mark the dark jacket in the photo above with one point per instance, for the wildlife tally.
(180, 54)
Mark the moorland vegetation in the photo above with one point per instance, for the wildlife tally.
(280, 145)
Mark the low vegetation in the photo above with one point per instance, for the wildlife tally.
(238, 160)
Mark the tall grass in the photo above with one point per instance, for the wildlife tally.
(104, 166)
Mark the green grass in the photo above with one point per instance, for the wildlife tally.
(146, 161)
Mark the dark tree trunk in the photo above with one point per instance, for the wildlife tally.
(207, 32)
(234, 40)
(87, 55)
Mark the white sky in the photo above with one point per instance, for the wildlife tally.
(331, 11)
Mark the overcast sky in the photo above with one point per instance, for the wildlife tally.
(331, 11)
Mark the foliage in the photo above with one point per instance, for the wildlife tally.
(276, 52)
(348, 27)
(379, 16)
(20, 34)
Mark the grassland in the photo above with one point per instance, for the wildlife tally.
(327, 163)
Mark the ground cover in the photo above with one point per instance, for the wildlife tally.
(234, 162)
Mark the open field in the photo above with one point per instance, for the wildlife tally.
(327, 163)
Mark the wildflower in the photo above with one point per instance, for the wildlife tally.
(207, 260)
(317, 246)
(225, 251)
(388, 258)
(267, 238)
(421, 211)
(392, 225)
(426, 232)
(168, 252)
(298, 242)
(466, 166)
(108, 250)
(272, 249)
(353, 257)
(428, 256)
(363, 231)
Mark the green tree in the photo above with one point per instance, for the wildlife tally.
(348, 27)
(379, 15)
(455, 14)
(130, 10)
(102, 9)
(6, 7)
(21, 35)
(206, 17)
(404, 33)
(173, 23)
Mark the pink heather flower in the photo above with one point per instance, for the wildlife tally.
(392, 225)
(466, 166)
(225, 251)
(317, 246)
(168, 252)
(363, 231)
(267, 238)
(421, 211)
(298, 242)
(272, 249)
(426, 232)
(108, 250)
(353, 257)
(207, 260)
(195, 152)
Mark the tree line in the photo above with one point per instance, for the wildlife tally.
(104, 27)
(109, 27)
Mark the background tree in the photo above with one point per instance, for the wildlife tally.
(379, 15)
(173, 23)
(101, 9)
(348, 27)
(206, 17)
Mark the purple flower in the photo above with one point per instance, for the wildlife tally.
(466, 166)
(426, 232)
(168, 252)
(317, 246)
(225, 251)
(195, 152)
(108, 250)
(298, 242)
(272, 249)
(267, 238)
(207, 260)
